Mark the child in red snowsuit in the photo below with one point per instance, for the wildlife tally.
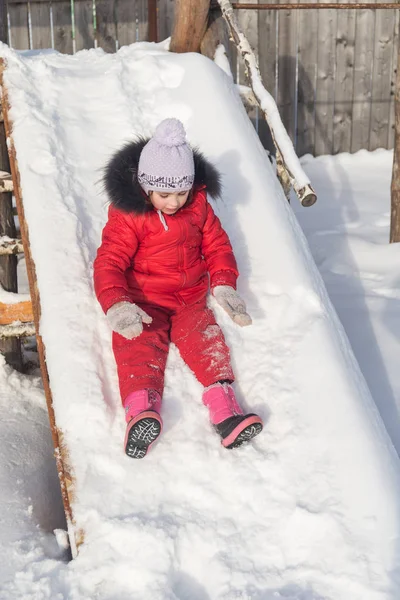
(162, 249)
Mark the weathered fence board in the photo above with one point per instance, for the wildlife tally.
(344, 79)
(126, 18)
(325, 83)
(248, 22)
(268, 48)
(84, 27)
(393, 79)
(62, 27)
(19, 26)
(106, 30)
(384, 26)
(307, 75)
(363, 64)
(165, 18)
(143, 21)
(287, 69)
(40, 23)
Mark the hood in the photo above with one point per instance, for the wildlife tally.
(122, 186)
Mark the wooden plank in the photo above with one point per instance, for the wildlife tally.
(362, 89)
(143, 21)
(106, 28)
(393, 72)
(268, 63)
(268, 49)
(233, 56)
(61, 453)
(21, 311)
(344, 80)
(248, 23)
(41, 25)
(381, 79)
(125, 16)
(325, 84)
(62, 27)
(84, 29)
(19, 26)
(165, 19)
(3, 22)
(10, 348)
(306, 81)
(287, 70)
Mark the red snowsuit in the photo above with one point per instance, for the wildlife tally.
(167, 273)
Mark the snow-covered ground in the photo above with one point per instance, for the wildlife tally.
(311, 511)
(348, 233)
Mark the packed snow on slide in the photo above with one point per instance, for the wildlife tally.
(311, 509)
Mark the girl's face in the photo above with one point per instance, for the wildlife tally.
(168, 203)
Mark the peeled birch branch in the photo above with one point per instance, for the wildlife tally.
(287, 159)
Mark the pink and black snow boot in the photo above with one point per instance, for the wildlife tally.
(227, 417)
(142, 413)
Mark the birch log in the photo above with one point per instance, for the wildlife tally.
(288, 164)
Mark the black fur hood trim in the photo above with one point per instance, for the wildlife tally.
(122, 186)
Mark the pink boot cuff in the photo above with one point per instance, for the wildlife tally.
(139, 401)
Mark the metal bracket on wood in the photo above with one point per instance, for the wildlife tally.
(6, 184)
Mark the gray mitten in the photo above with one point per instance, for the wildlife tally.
(232, 303)
(127, 319)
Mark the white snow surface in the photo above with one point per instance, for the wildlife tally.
(311, 509)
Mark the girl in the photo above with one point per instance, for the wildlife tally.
(162, 249)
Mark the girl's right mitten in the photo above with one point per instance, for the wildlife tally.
(127, 319)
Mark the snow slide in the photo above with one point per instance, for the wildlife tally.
(311, 510)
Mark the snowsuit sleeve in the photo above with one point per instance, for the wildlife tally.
(217, 252)
(114, 256)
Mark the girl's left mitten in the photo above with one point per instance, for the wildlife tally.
(233, 304)
(127, 319)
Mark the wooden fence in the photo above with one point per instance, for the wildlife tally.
(332, 72)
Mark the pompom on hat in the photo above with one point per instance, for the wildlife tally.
(166, 162)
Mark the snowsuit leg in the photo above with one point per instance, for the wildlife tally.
(141, 361)
(201, 343)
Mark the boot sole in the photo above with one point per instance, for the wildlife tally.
(141, 436)
(246, 431)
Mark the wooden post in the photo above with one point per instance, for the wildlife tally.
(152, 19)
(11, 347)
(395, 187)
(190, 24)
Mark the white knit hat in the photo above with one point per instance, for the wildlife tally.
(166, 162)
